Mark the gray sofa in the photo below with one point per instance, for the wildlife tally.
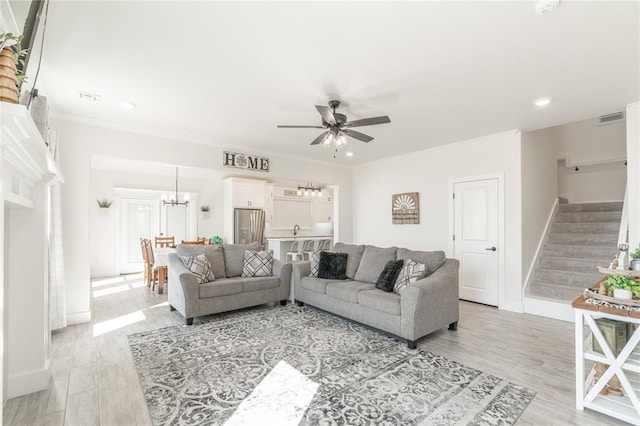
(429, 304)
(229, 291)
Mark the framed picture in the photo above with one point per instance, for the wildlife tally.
(405, 208)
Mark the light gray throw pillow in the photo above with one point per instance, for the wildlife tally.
(257, 263)
(212, 251)
(373, 261)
(200, 267)
(431, 259)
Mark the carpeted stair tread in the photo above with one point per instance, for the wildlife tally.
(590, 207)
(568, 278)
(572, 264)
(588, 217)
(555, 292)
(582, 252)
(587, 228)
(584, 239)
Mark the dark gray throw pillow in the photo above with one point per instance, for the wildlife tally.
(333, 266)
(389, 275)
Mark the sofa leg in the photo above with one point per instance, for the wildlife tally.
(453, 326)
(189, 321)
(283, 302)
(299, 303)
(171, 308)
(411, 344)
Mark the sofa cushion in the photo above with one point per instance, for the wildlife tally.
(373, 262)
(200, 267)
(213, 253)
(388, 303)
(410, 273)
(234, 257)
(257, 263)
(431, 259)
(333, 265)
(316, 285)
(222, 287)
(260, 283)
(387, 279)
(347, 290)
(354, 255)
(314, 259)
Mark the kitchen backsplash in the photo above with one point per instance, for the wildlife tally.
(317, 230)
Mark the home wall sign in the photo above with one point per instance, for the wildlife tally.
(405, 208)
(245, 161)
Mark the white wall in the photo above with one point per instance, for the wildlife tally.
(79, 142)
(539, 189)
(429, 173)
(587, 145)
(633, 170)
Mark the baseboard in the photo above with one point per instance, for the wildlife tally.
(25, 383)
(78, 318)
(511, 306)
(548, 309)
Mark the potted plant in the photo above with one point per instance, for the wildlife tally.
(12, 57)
(216, 239)
(635, 260)
(623, 286)
(104, 203)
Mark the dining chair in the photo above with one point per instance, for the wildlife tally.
(295, 252)
(145, 260)
(193, 243)
(153, 272)
(165, 242)
(204, 240)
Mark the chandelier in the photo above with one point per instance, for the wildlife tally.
(173, 199)
(309, 190)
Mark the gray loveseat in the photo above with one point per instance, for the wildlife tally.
(229, 290)
(429, 304)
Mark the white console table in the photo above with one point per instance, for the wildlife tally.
(626, 365)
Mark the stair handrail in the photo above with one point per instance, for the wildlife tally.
(623, 233)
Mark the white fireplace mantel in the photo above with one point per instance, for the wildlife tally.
(27, 169)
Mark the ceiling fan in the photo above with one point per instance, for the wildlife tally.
(338, 127)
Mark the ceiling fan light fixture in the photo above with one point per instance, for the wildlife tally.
(542, 102)
(349, 153)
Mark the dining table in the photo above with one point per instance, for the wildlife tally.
(161, 262)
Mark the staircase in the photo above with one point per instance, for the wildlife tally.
(581, 237)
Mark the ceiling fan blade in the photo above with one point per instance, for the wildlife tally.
(320, 138)
(326, 113)
(357, 135)
(368, 121)
(299, 127)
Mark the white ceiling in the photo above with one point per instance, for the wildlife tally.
(226, 73)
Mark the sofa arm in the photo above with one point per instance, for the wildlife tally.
(183, 287)
(283, 270)
(431, 303)
(300, 270)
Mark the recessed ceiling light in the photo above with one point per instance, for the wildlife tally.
(349, 154)
(127, 105)
(546, 6)
(542, 102)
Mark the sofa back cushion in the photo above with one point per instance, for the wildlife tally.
(373, 262)
(234, 257)
(212, 251)
(354, 254)
(431, 259)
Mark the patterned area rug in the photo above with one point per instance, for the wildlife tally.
(350, 374)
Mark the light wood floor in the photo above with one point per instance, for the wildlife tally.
(94, 381)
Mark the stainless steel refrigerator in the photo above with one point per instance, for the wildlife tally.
(248, 226)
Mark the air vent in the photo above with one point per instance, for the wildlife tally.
(89, 97)
(611, 118)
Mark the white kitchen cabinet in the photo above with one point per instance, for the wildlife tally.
(323, 208)
(247, 193)
(268, 202)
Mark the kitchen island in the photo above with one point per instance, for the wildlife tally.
(281, 245)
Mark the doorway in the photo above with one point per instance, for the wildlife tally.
(477, 229)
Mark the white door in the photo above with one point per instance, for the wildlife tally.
(476, 239)
(140, 219)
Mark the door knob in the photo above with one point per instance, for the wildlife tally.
(491, 248)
